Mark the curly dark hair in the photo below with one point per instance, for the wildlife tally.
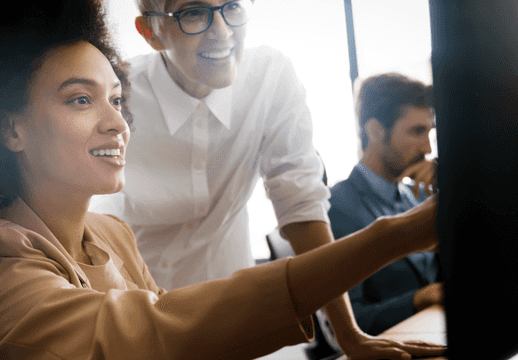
(35, 29)
(385, 98)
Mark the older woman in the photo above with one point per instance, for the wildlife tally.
(72, 283)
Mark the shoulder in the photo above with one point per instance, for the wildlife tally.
(13, 239)
(262, 54)
(139, 64)
(345, 194)
(138, 73)
(263, 60)
(347, 212)
(18, 242)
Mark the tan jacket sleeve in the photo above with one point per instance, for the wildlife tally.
(43, 316)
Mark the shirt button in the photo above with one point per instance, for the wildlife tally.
(197, 165)
(85, 286)
(190, 225)
(164, 264)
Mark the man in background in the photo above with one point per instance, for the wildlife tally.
(395, 117)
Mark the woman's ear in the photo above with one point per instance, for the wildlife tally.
(14, 136)
(375, 131)
(146, 31)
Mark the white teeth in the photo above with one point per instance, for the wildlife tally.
(217, 55)
(106, 152)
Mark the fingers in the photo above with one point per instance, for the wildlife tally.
(420, 348)
(389, 349)
(380, 349)
(422, 172)
(423, 349)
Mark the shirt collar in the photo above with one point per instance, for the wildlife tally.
(177, 106)
(383, 188)
(220, 104)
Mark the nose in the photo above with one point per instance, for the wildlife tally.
(112, 122)
(426, 148)
(219, 28)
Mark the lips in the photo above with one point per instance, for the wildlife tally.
(112, 152)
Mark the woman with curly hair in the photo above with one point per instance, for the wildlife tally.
(72, 283)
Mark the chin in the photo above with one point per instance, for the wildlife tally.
(221, 80)
(110, 189)
(221, 83)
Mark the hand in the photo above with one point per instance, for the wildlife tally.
(369, 347)
(418, 226)
(429, 295)
(422, 172)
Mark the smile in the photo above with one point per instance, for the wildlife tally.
(106, 152)
(216, 55)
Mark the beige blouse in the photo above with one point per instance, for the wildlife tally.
(52, 307)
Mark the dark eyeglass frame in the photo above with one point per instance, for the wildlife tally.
(212, 9)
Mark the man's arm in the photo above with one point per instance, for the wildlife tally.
(305, 236)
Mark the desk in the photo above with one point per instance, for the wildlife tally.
(427, 325)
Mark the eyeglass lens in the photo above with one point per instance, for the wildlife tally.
(196, 20)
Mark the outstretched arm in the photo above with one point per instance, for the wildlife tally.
(250, 314)
(355, 343)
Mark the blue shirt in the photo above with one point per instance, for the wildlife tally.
(391, 198)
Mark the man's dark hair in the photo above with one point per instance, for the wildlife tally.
(385, 98)
(33, 30)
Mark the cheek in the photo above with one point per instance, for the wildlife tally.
(181, 45)
(240, 41)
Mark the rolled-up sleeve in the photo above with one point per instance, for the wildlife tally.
(291, 168)
(44, 316)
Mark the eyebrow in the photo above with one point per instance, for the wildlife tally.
(192, 4)
(83, 81)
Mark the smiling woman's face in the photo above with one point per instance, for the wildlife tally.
(73, 117)
(206, 61)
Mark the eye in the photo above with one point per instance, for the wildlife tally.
(81, 100)
(117, 101)
(235, 6)
(195, 14)
(420, 130)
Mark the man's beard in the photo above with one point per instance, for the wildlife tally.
(395, 168)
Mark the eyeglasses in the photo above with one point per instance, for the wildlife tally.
(196, 20)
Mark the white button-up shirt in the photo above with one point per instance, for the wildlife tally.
(192, 165)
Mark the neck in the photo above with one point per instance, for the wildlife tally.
(191, 87)
(372, 159)
(63, 212)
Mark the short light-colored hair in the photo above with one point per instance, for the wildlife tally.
(154, 5)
